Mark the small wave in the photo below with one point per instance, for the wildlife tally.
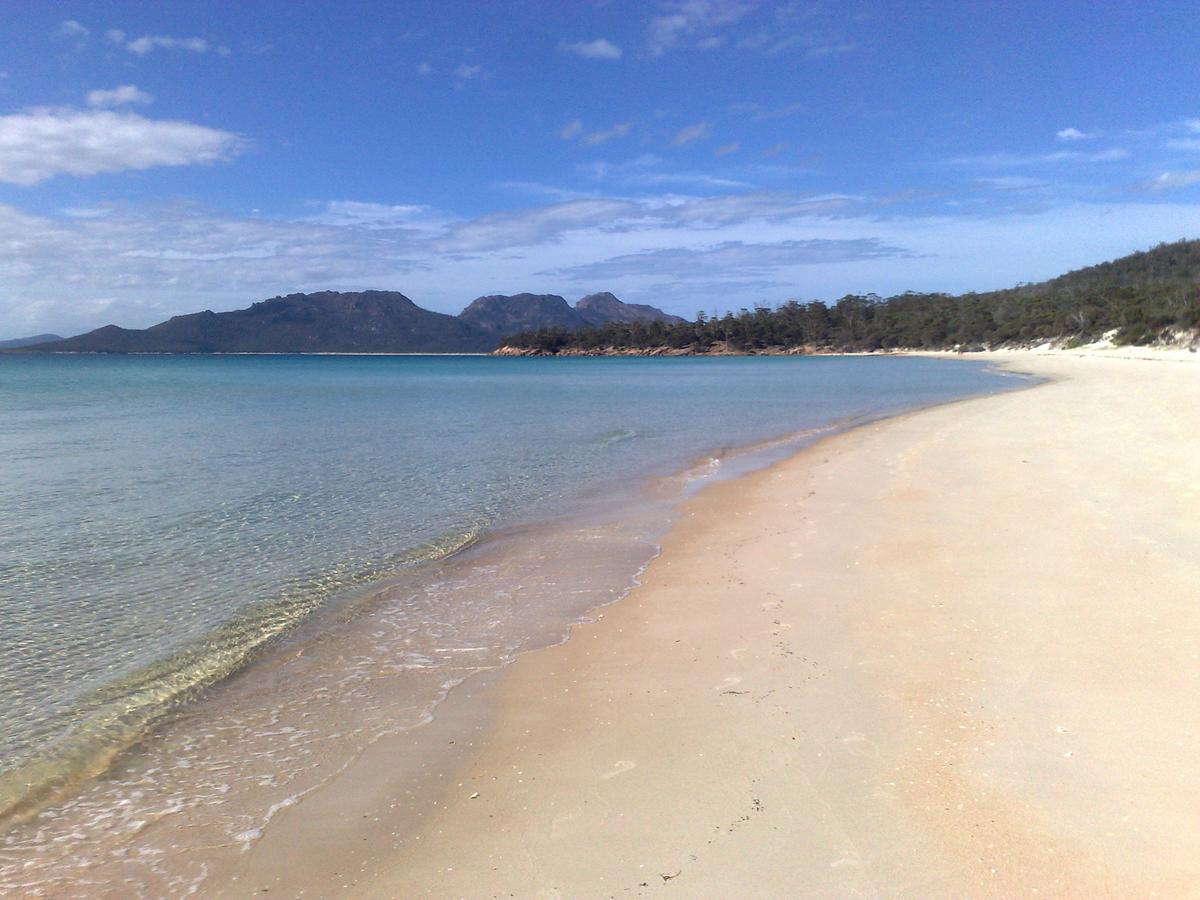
(114, 717)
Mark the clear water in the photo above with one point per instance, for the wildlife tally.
(167, 517)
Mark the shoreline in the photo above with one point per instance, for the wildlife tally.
(466, 712)
(816, 713)
(251, 686)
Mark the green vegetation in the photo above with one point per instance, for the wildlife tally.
(1143, 298)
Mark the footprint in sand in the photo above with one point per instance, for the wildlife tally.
(737, 652)
(559, 823)
(620, 768)
(858, 744)
(728, 683)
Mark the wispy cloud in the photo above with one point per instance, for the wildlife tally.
(464, 73)
(1073, 134)
(682, 20)
(760, 113)
(148, 43)
(600, 48)
(415, 219)
(732, 259)
(37, 144)
(1112, 154)
(813, 44)
(698, 132)
(530, 227)
(650, 171)
(604, 135)
(1173, 181)
(726, 149)
(574, 129)
(118, 96)
(72, 29)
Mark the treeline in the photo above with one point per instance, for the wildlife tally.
(1143, 298)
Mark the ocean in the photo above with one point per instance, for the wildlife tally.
(222, 576)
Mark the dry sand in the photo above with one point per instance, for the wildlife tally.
(952, 653)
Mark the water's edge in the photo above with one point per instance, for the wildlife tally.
(321, 625)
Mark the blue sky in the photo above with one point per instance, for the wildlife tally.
(693, 154)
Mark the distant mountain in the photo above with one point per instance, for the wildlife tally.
(357, 322)
(29, 341)
(325, 322)
(600, 309)
(501, 315)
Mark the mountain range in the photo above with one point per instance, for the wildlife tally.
(354, 322)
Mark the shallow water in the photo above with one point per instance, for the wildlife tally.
(170, 517)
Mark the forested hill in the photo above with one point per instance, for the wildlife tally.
(1143, 298)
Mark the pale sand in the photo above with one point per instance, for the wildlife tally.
(952, 653)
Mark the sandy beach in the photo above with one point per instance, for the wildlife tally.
(952, 653)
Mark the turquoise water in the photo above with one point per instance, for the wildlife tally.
(167, 516)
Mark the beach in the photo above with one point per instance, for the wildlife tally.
(954, 652)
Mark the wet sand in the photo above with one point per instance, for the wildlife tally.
(952, 653)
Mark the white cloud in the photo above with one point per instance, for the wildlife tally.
(147, 43)
(1184, 144)
(571, 130)
(37, 144)
(464, 73)
(115, 36)
(86, 212)
(699, 131)
(1073, 134)
(597, 49)
(1112, 154)
(594, 138)
(413, 219)
(118, 96)
(733, 259)
(651, 171)
(72, 29)
(684, 19)
(814, 44)
(760, 113)
(726, 149)
(1172, 181)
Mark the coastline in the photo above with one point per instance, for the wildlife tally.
(193, 823)
(834, 680)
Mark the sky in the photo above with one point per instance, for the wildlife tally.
(158, 159)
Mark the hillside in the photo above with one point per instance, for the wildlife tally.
(600, 309)
(1143, 298)
(325, 322)
(500, 315)
(31, 341)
